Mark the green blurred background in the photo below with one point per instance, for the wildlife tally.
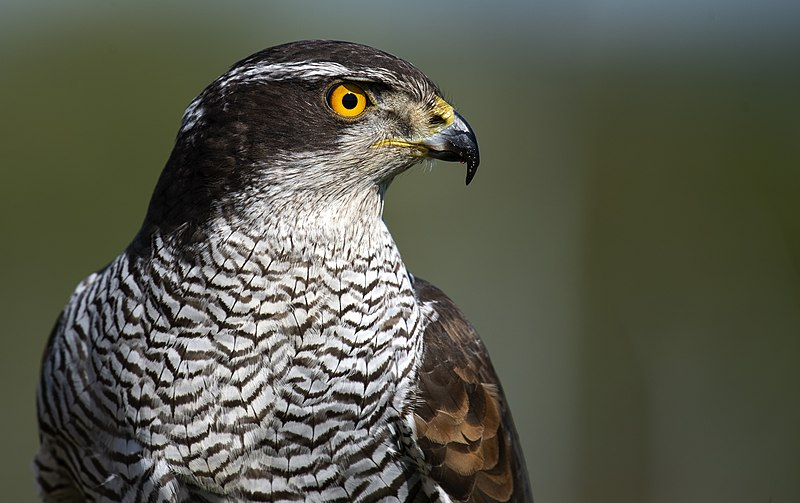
(630, 248)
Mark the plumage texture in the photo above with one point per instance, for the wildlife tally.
(261, 338)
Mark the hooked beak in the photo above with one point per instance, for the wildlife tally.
(456, 142)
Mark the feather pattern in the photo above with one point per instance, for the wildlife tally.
(463, 423)
(261, 339)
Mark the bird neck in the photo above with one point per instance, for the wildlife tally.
(303, 227)
(316, 222)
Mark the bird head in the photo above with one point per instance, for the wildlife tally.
(306, 123)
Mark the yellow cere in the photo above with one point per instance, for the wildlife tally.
(347, 99)
(444, 110)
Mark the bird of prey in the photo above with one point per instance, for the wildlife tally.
(260, 339)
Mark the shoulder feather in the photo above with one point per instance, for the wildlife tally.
(464, 425)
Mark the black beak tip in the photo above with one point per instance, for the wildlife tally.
(468, 156)
(471, 170)
(472, 160)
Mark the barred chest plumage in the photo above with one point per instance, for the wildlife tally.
(250, 367)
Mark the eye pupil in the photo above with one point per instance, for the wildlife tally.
(349, 101)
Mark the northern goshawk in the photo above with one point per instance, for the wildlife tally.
(260, 339)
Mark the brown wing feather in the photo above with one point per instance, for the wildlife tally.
(464, 425)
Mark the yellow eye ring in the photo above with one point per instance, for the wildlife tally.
(347, 99)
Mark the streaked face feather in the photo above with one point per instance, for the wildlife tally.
(263, 132)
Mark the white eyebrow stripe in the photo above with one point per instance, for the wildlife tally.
(305, 70)
(283, 71)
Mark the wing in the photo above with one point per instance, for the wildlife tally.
(464, 425)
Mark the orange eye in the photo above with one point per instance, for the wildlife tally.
(347, 100)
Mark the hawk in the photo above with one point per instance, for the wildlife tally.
(261, 339)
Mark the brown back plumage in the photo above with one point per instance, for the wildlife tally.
(464, 424)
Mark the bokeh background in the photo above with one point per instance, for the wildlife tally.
(630, 248)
